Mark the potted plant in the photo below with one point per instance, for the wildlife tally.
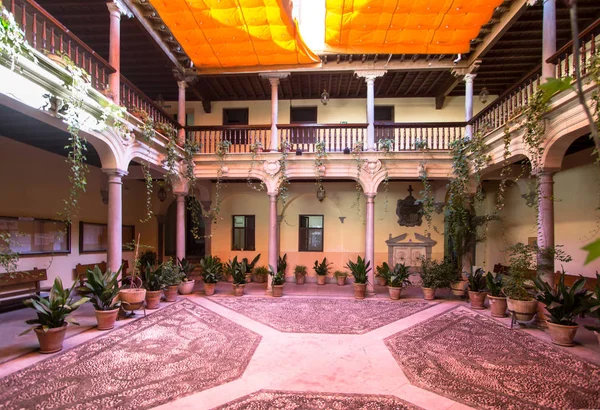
(594, 309)
(154, 284)
(398, 278)
(459, 284)
(341, 277)
(563, 305)
(250, 267)
(133, 294)
(237, 270)
(277, 282)
(282, 264)
(519, 300)
(260, 274)
(186, 268)
(385, 144)
(300, 274)
(382, 274)
(321, 269)
(435, 275)
(212, 271)
(148, 257)
(103, 291)
(477, 291)
(496, 295)
(359, 270)
(53, 316)
(172, 277)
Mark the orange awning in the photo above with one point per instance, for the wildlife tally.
(235, 33)
(405, 27)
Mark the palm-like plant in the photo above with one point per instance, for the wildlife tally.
(399, 276)
(565, 303)
(185, 267)
(277, 278)
(383, 270)
(282, 263)
(171, 273)
(322, 268)
(212, 269)
(102, 288)
(477, 281)
(250, 265)
(153, 279)
(237, 271)
(494, 284)
(54, 311)
(359, 270)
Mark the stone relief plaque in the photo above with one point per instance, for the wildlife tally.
(409, 251)
(409, 211)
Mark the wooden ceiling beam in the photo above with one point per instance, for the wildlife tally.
(401, 84)
(433, 83)
(412, 83)
(389, 88)
(423, 83)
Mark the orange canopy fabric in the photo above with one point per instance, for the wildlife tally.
(405, 27)
(235, 33)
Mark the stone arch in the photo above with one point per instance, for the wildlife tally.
(559, 141)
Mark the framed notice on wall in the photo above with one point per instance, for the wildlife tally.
(36, 236)
(93, 237)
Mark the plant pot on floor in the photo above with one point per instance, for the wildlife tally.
(381, 281)
(133, 298)
(341, 280)
(187, 287)
(360, 290)
(562, 335)
(394, 292)
(248, 277)
(477, 300)
(459, 287)
(428, 293)
(209, 289)
(52, 340)
(153, 299)
(497, 306)
(300, 279)
(541, 317)
(238, 290)
(277, 291)
(171, 293)
(106, 318)
(524, 310)
(259, 278)
(321, 279)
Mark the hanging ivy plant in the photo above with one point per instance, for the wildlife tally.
(256, 148)
(147, 134)
(171, 149)
(8, 258)
(427, 198)
(357, 149)
(284, 181)
(190, 149)
(12, 38)
(319, 165)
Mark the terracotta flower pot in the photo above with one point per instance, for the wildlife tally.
(209, 289)
(359, 290)
(187, 287)
(171, 293)
(428, 293)
(229, 278)
(259, 278)
(277, 291)
(52, 340)
(153, 299)
(341, 280)
(497, 305)
(562, 335)
(106, 318)
(380, 280)
(477, 300)
(238, 290)
(321, 279)
(132, 299)
(541, 317)
(248, 277)
(458, 288)
(524, 310)
(300, 278)
(394, 292)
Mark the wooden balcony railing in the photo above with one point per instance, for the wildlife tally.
(336, 137)
(46, 34)
(134, 98)
(563, 58)
(438, 136)
(240, 136)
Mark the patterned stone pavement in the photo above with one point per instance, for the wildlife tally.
(319, 315)
(475, 360)
(286, 400)
(179, 350)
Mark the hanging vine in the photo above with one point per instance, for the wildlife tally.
(284, 181)
(427, 200)
(171, 149)
(319, 166)
(12, 38)
(147, 134)
(357, 149)
(190, 149)
(256, 148)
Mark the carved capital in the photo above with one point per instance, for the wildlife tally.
(118, 6)
(464, 71)
(271, 167)
(370, 75)
(274, 76)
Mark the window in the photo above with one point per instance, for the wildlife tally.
(235, 117)
(384, 113)
(93, 237)
(242, 237)
(303, 115)
(32, 236)
(311, 233)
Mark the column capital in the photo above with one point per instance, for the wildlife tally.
(273, 195)
(370, 75)
(180, 196)
(118, 8)
(274, 76)
(370, 195)
(468, 78)
(114, 172)
(182, 85)
(463, 71)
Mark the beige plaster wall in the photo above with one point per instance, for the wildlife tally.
(34, 185)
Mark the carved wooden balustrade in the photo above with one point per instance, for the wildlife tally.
(134, 98)
(410, 137)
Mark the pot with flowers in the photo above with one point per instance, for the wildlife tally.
(212, 272)
(398, 279)
(477, 290)
(172, 277)
(102, 289)
(495, 294)
(300, 274)
(187, 284)
(321, 269)
(277, 282)
(360, 270)
(154, 283)
(50, 326)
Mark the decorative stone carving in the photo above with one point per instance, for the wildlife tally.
(409, 211)
(224, 171)
(372, 166)
(272, 167)
(408, 252)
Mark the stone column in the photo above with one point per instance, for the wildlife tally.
(274, 112)
(114, 252)
(370, 240)
(469, 103)
(549, 39)
(114, 51)
(370, 77)
(545, 236)
(180, 236)
(160, 251)
(273, 255)
(182, 85)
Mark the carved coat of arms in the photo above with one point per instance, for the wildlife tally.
(409, 211)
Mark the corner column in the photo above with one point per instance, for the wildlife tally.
(548, 39)
(273, 255)
(370, 241)
(468, 79)
(115, 8)
(545, 236)
(274, 80)
(114, 252)
(370, 77)
(182, 85)
(180, 237)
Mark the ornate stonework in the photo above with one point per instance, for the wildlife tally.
(271, 167)
(409, 211)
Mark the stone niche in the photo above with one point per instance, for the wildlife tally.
(409, 252)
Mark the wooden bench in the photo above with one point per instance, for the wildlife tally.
(81, 270)
(17, 286)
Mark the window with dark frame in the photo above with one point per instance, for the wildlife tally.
(242, 233)
(310, 236)
(235, 116)
(35, 236)
(303, 115)
(384, 113)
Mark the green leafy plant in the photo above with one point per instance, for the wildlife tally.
(322, 268)
(383, 270)
(261, 272)
(278, 278)
(385, 144)
(320, 155)
(171, 273)
(102, 288)
(8, 258)
(212, 269)
(12, 38)
(340, 274)
(148, 257)
(435, 274)
(477, 281)
(284, 181)
(152, 278)
(399, 276)
(565, 303)
(237, 270)
(357, 149)
(494, 284)
(54, 312)
(593, 306)
(282, 263)
(250, 265)
(359, 269)
(186, 268)
(300, 270)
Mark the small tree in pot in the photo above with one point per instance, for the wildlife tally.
(563, 305)
(477, 290)
(435, 275)
(53, 316)
(496, 295)
(321, 269)
(154, 283)
(103, 291)
(172, 277)
(277, 282)
(397, 279)
(187, 284)
(520, 300)
(237, 270)
(300, 274)
(360, 270)
(212, 272)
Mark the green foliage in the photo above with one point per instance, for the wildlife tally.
(8, 258)
(359, 270)
(521, 265)
(148, 257)
(385, 144)
(284, 181)
(54, 311)
(250, 265)
(212, 269)
(277, 278)
(593, 250)
(153, 278)
(102, 288)
(171, 273)
(282, 263)
(437, 275)
(261, 271)
(12, 39)
(383, 270)
(593, 306)
(340, 274)
(320, 155)
(358, 161)
(399, 276)
(300, 270)
(185, 267)
(171, 149)
(565, 303)
(237, 270)
(477, 281)
(322, 268)
(553, 86)
(494, 284)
